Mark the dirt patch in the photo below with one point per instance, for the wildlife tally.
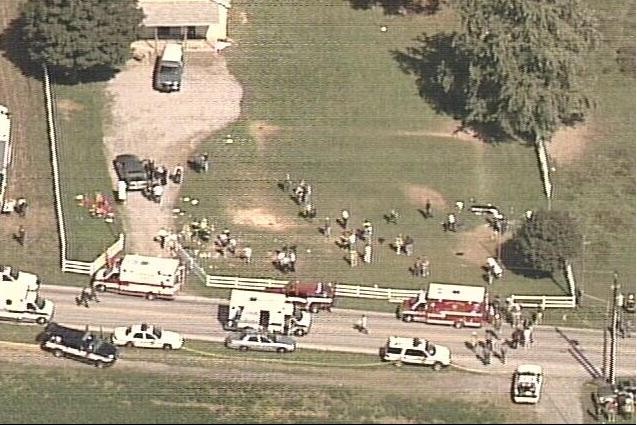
(166, 128)
(419, 195)
(453, 130)
(569, 144)
(479, 243)
(67, 107)
(260, 218)
(263, 132)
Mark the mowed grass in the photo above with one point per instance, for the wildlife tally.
(81, 110)
(350, 123)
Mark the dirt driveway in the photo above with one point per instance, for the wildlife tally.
(167, 128)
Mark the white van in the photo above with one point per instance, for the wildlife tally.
(415, 351)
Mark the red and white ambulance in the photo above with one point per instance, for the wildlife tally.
(447, 304)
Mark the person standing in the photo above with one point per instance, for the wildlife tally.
(353, 257)
(327, 228)
(205, 162)
(21, 236)
(178, 174)
(367, 254)
(362, 324)
(426, 269)
(451, 222)
(158, 191)
(393, 216)
(428, 213)
(344, 218)
(247, 254)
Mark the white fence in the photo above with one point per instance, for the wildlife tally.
(544, 301)
(71, 266)
(83, 267)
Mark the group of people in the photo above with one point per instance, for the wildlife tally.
(158, 177)
(88, 293)
(404, 245)
(422, 267)
(285, 259)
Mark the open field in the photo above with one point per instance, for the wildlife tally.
(327, 103)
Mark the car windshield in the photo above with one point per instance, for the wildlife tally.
(170, 71)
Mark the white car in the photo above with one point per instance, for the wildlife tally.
(147, 336)
(260, 341)
(415, 351)
(527, 384)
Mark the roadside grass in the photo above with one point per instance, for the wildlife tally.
(30, 171)
(83, 168)
(124, 396)
(353, 126)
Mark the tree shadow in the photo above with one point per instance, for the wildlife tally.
(14, 49)
(515, 262)
(441, 72)
(441, 68)
(399, 7)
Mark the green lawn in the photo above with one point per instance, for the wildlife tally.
(83, 167)
(353, 125)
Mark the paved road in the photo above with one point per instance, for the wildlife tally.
(568, 356)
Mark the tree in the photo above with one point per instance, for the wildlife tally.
(526, 59)
(78, 35)
(549, 240)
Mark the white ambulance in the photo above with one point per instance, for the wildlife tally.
(150, 277)
(20, 299)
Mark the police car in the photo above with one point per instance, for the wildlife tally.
(415, 351)
(527, 384)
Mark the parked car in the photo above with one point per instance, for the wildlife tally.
(527, 384)
(130, 169)
(82, 345)
(147, 336)
(245, 341)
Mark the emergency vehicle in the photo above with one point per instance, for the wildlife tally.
(266, 311)
(308, 296)
(150, 277)
(416, 351)
(20, 299)
(447, 304)
(527, 384)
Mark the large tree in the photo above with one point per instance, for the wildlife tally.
(77, 35)
(525, 59)
(549, 240)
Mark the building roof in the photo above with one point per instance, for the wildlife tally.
(179, 13)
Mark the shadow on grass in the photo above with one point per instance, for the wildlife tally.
(14, 49)
(441, 69)
(399, 7)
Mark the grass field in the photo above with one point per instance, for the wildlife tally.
(340, 114)
(82, 110)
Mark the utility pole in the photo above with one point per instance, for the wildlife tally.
(612, 361)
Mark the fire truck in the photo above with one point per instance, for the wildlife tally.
(308, 296)
(447, 304)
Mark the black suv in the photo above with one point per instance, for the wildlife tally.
(131, 170)
(84, 346)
